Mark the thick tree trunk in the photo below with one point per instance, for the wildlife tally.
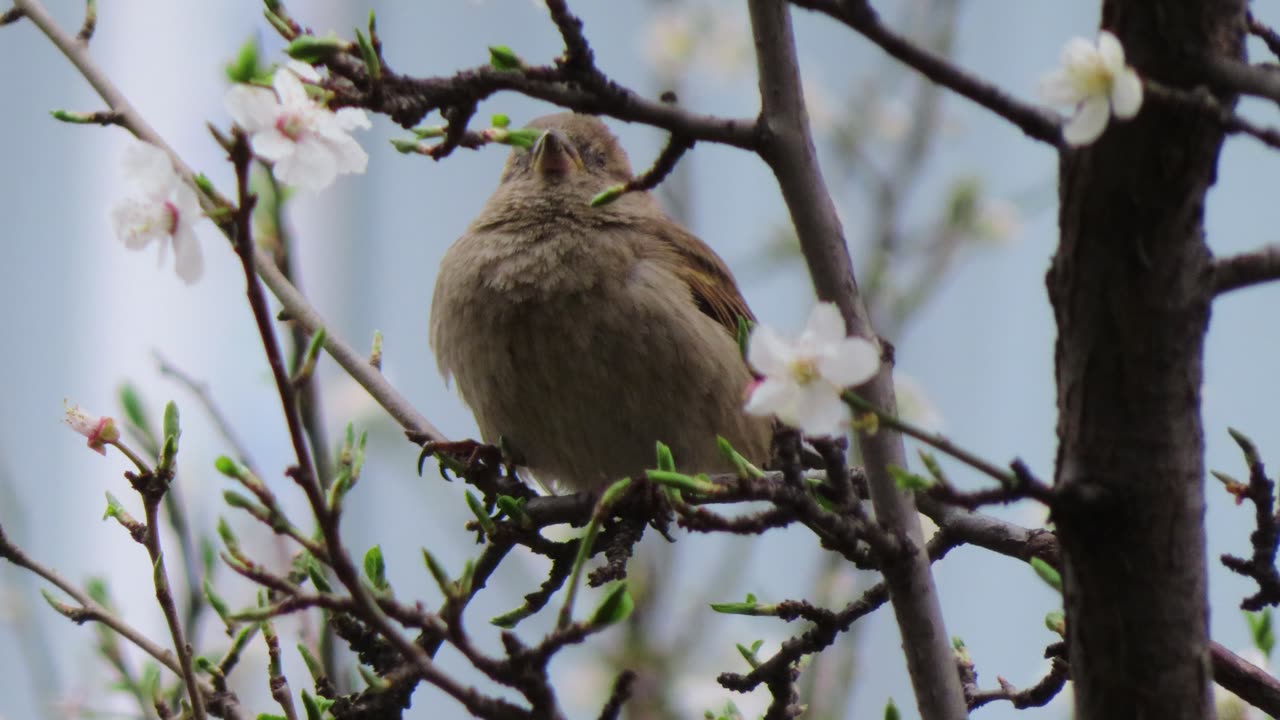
(1131, 294)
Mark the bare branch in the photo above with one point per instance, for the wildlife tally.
(1264, 32)
(293, 301)
(1036, 122)
(1247, 269)
(222, 704)
(787, 146)
(1204, 102)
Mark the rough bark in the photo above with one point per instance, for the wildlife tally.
(1131, 289)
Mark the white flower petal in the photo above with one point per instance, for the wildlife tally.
(819, 411)
(187, 204)
(187, 259)
(770, 397)
(290, 89)
(272, 145)
(352, 119)
(349, 156)
(138, 222)
(1089, 121)
(767, 352)
(1077, 52)
(149, 167)
(302, 70)
(310, 167)
(1126, 94)
(252, 108)
(852, 362)
(825, 325)
(1056, 88)
(1110, 51)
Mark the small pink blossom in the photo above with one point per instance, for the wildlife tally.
(100, 431)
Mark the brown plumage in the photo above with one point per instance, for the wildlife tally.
(584, 335)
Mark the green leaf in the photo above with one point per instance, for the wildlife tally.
(114, 508)
(500, 121)
(1261, 630)
(608, 195)
(614, 492)
(216, 602)
(405, 147)
(439, 574)
(313, 665)
(1047, 573)
(698, 484)
(523, 138)
(171, 431)
(228, 537)
(429, 132)
(1056, 621)
(311, 49)
(134, 410)
(665, 460)
(502, 57)
(615, 607)
(243, 68)
(372, 65)
(170, 423)
(375, 568)
(315, 572)
(891, 711)
(514, 508)
(315, 706)
(909, 481)
(96, 588)
(482, 516)
(741, 466)
(228, 467)
(308, 366)
(750, 608)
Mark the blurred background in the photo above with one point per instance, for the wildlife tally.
(950, 215)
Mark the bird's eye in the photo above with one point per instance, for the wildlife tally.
(591, 155)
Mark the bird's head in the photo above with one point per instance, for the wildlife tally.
(574, 151)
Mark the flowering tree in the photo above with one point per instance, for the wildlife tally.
(1131, 287)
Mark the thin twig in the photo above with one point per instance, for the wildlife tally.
(1036, 122)
(200, 389)
(293, 301)
(1264, 32)
(152, 488)
(225, 705)
(1203, 101)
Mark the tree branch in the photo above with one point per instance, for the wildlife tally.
(787, 146)
(293, 301)
(1247, 269)
(1036, 122)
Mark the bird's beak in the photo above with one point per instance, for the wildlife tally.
(554, 155)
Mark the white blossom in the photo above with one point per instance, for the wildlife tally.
(803, 378)
(163, 208)
(1096, 82)
(308, 144)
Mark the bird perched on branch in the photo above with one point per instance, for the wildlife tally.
(581, 335)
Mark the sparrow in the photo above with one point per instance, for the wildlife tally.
(581, 336)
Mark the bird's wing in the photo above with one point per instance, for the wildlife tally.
(705, 274)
